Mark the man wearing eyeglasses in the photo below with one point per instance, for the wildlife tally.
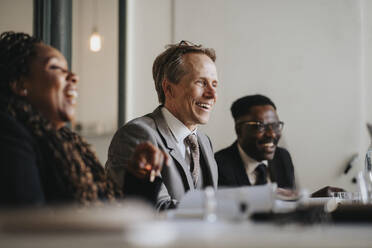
(186, 81)
(255, 158)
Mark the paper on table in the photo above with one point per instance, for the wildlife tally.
(231, 202)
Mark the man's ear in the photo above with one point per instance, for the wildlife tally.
(167, 88)
(18, 88)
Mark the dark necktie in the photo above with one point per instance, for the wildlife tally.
(261, 174)
(192, 142)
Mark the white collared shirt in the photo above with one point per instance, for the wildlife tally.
(179, 132)
(250, 165)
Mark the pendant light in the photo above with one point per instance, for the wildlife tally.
(95, 40)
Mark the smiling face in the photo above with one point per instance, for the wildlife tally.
(259, 145)
(192, 99)
(51, 87)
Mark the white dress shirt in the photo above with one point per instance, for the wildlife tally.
(250, 165)
(179, 132)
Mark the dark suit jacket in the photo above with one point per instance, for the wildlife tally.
(28, 172)
(28, 175)
(231, 170)
(176, 178)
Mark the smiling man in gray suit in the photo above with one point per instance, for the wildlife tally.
(185, 78)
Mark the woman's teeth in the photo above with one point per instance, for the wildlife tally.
(72, 93)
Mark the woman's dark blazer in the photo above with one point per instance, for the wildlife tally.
(27, 172)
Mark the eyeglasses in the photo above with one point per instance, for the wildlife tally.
(260, 127)
(187, 43)
(182, 47)
(179, 48)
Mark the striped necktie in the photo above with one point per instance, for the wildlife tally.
(192, 142)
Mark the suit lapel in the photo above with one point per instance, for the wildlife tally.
(239, 168)
(171, 145)
(274, 175)
(211, 165)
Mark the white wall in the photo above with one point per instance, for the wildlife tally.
(149, 30)
(16, 15)
(305, 55)
(368, 56)
(98, 71)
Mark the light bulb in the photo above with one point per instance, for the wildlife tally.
(95, 42)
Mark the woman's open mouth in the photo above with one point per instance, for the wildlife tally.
(71, 95)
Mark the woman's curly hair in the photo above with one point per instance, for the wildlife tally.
(16, 51)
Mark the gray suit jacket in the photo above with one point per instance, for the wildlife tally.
(176, 178)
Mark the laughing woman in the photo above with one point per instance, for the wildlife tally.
(41, 160)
